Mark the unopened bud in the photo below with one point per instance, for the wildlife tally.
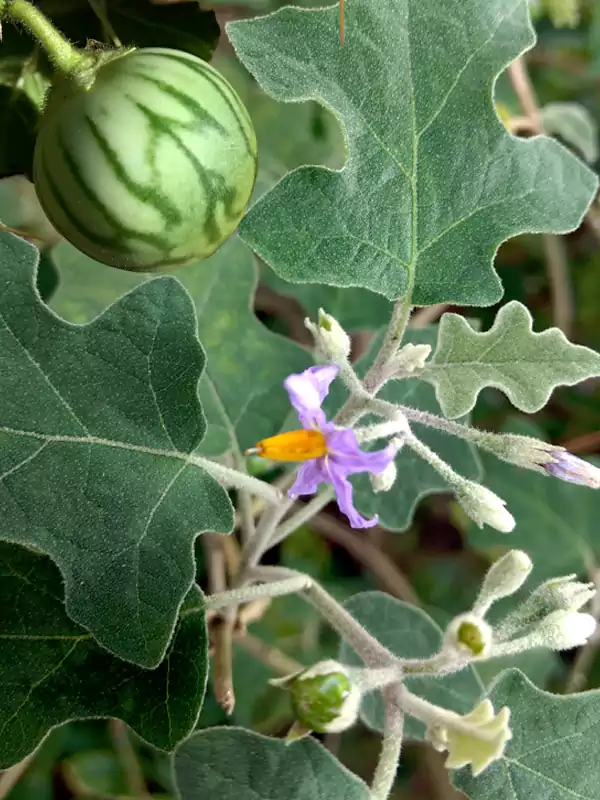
(412, 357)
(558, 594)
(503, 578)
(561, 630)
(324, 697)
(484, 507)
(331, 339)
(384, 481)
(469, 635)
(568, 467)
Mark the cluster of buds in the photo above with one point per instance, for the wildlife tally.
(549, 617)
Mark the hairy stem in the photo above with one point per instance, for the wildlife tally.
(238, 480)
(66, 58)
(427, 454)
(393, 338)
(373, 653)
(302, 516)
(385, 772)
(291, 585)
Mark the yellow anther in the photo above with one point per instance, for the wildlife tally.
(299, 445)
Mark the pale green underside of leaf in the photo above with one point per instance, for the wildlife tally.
(557, 522)
(235, 764)
(433, 182)
(555, 750)
(526, 366)
(52, 670)
(97, 424)
(242, 387)
(573, 123)
(408, 632)
(416, 478)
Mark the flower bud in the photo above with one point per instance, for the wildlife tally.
(484, 507)
(569, 468)
(561, 630)
(331, 339)
(384, 481)
(469, 635)
(503, 578)
(412, 357)
(324, 697)
(558, 594)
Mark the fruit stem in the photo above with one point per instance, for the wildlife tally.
(67, 59)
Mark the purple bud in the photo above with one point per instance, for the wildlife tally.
(568, 467)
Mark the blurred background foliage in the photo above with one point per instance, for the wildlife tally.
(439, 562)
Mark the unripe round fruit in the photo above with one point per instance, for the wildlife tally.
(152, 166)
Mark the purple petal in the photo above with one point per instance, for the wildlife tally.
(308, 389)
(309, 476)
(343, 490)
(569, 468)
(349, 459)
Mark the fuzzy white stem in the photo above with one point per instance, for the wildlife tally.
(433, 715)
(373, 653)
(245, 594)
(427, 454)
(387, 766)
(303, 515)
(233, 478)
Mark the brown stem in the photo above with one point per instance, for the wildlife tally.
(129, 761)
(222, 625)
(554, 248)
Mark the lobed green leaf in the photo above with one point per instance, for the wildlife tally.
(53, 670)
(525, 365)
(98, 424)
(433, 182)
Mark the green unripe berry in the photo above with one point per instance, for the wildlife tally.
(150, 167)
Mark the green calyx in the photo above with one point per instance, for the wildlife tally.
(319, 700)
(470, 635)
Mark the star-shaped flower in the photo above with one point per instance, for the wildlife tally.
(329, 453)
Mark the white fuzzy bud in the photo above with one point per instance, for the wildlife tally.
(503, 578)
(561, 630)
(412, 357)
(331, 340)
(558, 594)
(469, 636)
(384, 481)
(484, 507)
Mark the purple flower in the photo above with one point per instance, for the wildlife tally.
(569, 468)
(330, 454)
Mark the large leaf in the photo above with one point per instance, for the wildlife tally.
(242, 386)
(408, 632)
(554, 752)
(97, 424)
(427, 195)
(557, 522)
(526, 366)
(416, 478)
(53, 670)
(231, 763)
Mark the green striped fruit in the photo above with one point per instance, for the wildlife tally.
(152, 166)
